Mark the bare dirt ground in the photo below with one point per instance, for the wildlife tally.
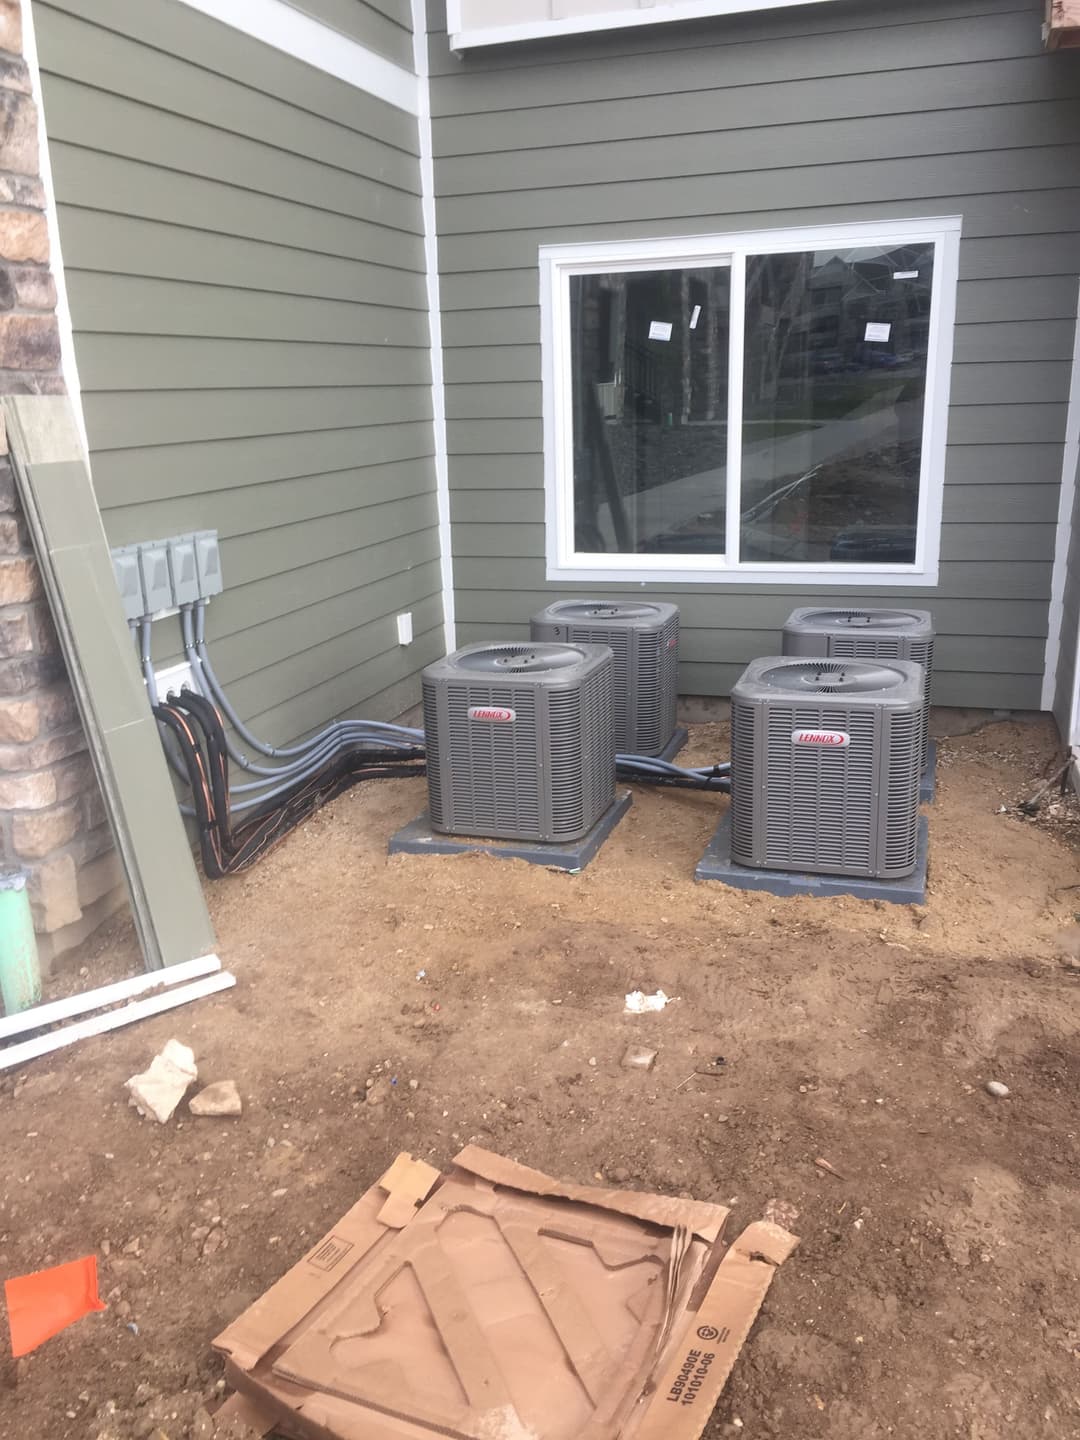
(935, 1291)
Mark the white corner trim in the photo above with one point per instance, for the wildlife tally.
(277, 24)
(431, 260)
(68, 364)
(463, 36)
(565, 564)
(1055, 639)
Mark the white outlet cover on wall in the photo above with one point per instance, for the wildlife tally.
(404, 628)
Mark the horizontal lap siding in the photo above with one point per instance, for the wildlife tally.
(243, 248)
(903, 109)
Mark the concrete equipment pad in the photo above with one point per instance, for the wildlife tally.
(418, 838)
(717, 864)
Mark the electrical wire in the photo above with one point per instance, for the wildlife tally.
(227, 847)
(322, 748)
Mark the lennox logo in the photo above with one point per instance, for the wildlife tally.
(499, 713)
(825, 739)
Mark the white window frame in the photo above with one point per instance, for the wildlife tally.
(464, 36)
(559, 262)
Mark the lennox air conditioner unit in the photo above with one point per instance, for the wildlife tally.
(825, 763)
(644, 640)
(520, 740)
(866, 635)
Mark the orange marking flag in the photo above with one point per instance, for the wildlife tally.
(41, 1305)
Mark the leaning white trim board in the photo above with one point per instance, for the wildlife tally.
(114, 1019)
(56, 1010)
(279, 25)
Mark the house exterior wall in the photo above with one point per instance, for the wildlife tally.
(243, 249)
(816, 115)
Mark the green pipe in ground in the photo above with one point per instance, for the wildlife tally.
(20, 973)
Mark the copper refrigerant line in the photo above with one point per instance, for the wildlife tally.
(239, 821)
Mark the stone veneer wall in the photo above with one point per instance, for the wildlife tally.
(52, 818)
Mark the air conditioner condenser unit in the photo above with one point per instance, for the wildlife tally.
(826, 758)
(866, 634)
(644, 640)
(520, 740)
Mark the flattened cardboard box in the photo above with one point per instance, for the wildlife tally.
(495, 1303)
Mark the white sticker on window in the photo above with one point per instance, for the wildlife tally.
(905, 274)
(660, 330)
(695, 317)
(877, 332)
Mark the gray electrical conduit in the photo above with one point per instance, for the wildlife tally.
(314, 753)
(201, 659)
(363, 728)
(340, 734)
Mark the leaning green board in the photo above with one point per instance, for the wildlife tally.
(61, 510)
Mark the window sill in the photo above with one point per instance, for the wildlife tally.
(826, 577)
(470, 37)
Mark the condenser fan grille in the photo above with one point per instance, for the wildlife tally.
(519, 659)
(597, 610)
(863, 619)
(832, 677)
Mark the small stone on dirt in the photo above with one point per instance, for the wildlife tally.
(221, 1098)
(997, 1089)
(639, 1058)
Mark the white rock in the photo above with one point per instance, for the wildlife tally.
(221, 1098)
(159, 1090)
(996, 1088)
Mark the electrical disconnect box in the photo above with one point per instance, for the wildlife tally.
(182, 573)
(208, 563)
(128, 581)
(156, 581)
(158, 576)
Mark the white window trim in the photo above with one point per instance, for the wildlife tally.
(464, 36)
(559, 262)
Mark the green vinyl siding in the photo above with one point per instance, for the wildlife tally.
(244, 258)
(798, 117)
